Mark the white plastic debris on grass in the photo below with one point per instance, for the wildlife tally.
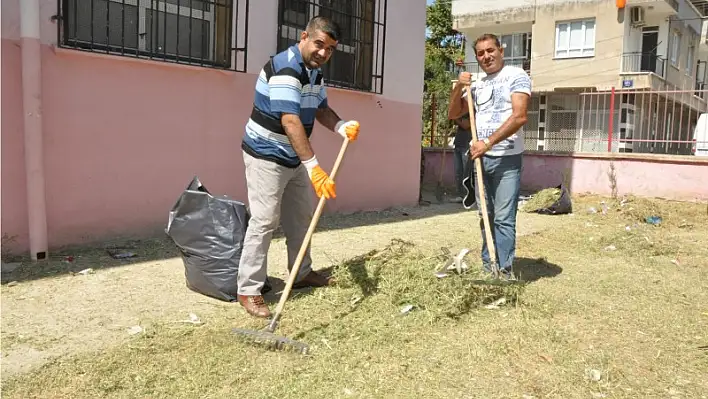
(193, 319)
(456, 263)
(135, 330)
(593, 375)
(406, 309)
(496, 304)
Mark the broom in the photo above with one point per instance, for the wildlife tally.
(268, 337)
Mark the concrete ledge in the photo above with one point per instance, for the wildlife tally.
(624, 156)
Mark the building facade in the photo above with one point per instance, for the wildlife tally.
(110, 107)
(608, 75)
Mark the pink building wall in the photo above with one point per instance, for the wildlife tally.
(646, 175)
(123, 137)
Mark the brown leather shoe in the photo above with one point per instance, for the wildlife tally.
(314, 280)
(254, 305)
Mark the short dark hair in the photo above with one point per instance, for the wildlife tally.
(487, 36)
(325, 25)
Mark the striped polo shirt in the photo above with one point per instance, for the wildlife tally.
(284, 86)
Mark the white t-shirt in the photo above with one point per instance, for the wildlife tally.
(492, 103)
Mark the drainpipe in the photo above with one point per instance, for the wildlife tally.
(32, 110)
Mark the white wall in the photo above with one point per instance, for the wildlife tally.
(463, 7)
(689, 16)
(405, 51)
(632, 38)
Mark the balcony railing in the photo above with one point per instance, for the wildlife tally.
(643, 62)
(475, 68)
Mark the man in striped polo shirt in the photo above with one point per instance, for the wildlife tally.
(280, 163)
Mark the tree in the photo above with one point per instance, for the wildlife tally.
(443, 48)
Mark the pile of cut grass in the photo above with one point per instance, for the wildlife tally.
(405, 276)
(542, 199)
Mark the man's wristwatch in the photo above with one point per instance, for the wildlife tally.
(487, 143)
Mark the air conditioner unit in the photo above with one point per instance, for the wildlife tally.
(636, 16)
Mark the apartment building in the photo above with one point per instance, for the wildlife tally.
(600, 67)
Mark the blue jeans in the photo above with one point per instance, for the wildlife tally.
(460, 163)
(502, 183)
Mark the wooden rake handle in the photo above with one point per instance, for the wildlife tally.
(480, 184)
(306, 242)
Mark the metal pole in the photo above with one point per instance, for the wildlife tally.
(612, 119)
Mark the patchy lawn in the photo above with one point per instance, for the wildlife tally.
(612, 306)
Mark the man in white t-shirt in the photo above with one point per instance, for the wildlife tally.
(500, 101)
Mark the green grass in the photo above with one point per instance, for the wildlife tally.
(635, 317)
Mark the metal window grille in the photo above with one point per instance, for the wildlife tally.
(208, 33)
(628, 120)
(359, 60)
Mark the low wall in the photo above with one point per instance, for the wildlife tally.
(646, 175)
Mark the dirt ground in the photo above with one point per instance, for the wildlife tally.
(68, 313)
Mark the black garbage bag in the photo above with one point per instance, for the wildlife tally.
(562, 206)
(209, 233)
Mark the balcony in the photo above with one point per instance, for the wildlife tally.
(497, 15)
(475, 69)
(658, 6)
(643, 62)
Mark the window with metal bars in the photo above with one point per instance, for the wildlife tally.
(195, 32)
(359, 60)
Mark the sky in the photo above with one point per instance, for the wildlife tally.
(427, 31)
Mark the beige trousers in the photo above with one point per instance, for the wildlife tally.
(276, 194)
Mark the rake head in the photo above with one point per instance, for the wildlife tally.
(272, 341)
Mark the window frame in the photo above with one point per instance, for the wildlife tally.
(222, 34)
(523, 37)
(690, 58)
(371, 82)
(675, 46)
(590, 47)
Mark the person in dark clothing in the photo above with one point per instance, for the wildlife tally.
(463, 136)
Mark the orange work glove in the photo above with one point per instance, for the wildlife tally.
(321, 181)
(348, 130)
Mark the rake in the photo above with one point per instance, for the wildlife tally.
(482, 192)
(267, 337)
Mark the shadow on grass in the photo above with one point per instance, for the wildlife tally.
(487, 291)
(530, 270)
(96, 256)
(352, 272)
(526, 271)
(156, 246)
